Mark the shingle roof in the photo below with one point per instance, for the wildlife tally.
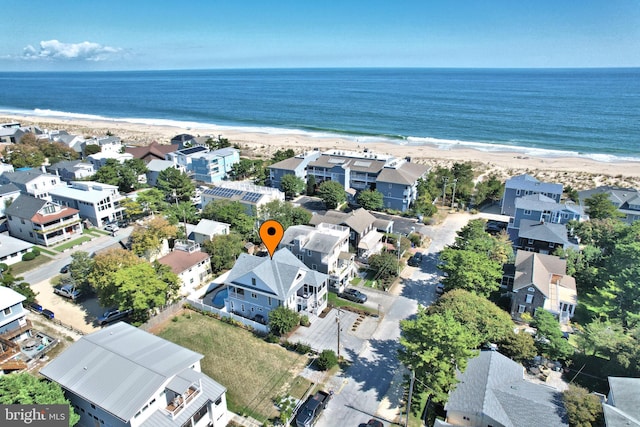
(494, 385)
(180, 261)
(540, 270)
(278, 273)
(287, 164)
(25, 206)
(543, 231)
(8, 188)
(625, 393)
(154, 149)
(527, 182)
(358, 220)
(540, 202)
(407, 174)
(22, 177)
(119, 368)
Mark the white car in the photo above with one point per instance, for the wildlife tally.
(112, 228)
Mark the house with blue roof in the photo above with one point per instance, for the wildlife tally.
(524, 185)
(257, 285)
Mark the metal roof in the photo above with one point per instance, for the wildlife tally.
(119, 368)
(9, 297)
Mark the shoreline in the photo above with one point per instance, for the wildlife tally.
(579, 172)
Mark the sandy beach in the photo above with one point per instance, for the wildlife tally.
(579, 172)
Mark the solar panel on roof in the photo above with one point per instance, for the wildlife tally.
(188, 151)
(336, 161)
(362, 164)
(251, 197)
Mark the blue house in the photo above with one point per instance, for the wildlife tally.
(537, 207)
(293, 166)
(524, 185)
(257, 285)
(13, 316)
(213, 166)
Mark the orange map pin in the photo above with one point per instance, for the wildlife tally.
(271, 232)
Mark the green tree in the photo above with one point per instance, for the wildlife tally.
(291, 185)
(519, 347)
(243, 169)
(600, 207)
(311, 185)
(550, 342)
(152, 201)
(25, 389)
(434, 346)
(178, 214)
(327, 360)
(80, 268)
(223, 249)
(371, 200)
(385, 264)
(282, 320)
(489, 190)
(280, 155)
(583, 408)
(106, 264)
(176, 185)
(332, 194)
(18, 284)
(604, 337)
(285, 213)
(486, 321)
(21, 156)
(470, 270)
(146, 239)
(230, 212)
(138, 166)
(92, 149)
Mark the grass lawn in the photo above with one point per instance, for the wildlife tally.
(46, 251)
(23, 266)
(72, 243)
(336, 301)
(253, 371)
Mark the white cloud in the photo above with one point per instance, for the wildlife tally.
(56, 50)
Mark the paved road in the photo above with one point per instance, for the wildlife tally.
(372, 386)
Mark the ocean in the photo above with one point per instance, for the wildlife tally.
(546, 112)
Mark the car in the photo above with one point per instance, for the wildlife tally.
(372, 423)
(68, 291)
(48, 313)
(353, 295)
(123, 224)
(415, 260)
(112, 227)
(65, 269)
(495, 227)
(113, 314)
(439, 289)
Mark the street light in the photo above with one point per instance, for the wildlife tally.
(338, 322)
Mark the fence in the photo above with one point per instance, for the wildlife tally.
(247, 322)
(164, 314)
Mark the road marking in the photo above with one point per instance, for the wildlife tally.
(344, 383)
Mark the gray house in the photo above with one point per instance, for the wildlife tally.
(71, 170)
(257, 285)
(540, 208)
(492, 392)
(543, 237)
(123, 376)
(627, 200)
(293, 166)
(622, 407)
(398, 183)
(13, 316)
(524, 185)
(206, 229)
(324, 248)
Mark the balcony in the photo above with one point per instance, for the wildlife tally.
(179, 402)
(11, 334)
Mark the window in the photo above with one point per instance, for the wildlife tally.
(314, 267)
(521, 308)
(529, 299)
(253, 281)
(527, 212)
(242, 308)
(269, 298)
(551, 244)
(308, 252)
(93, 406)
(530, 241)
(254, 295)
(7, 311)
(517, 192)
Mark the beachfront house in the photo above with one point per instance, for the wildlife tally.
(257, 285)
(323, 248)
(540, 208)
(153, 151)
(296, 165)
(493, 391)
(184, 157)
(540, 281)
(95, 201)
(71, 170)
(32, 181)
(250, 196)
(42, 222)
(524, 185)
(213, 166)
(364, 239)
(189, 263)
(122, 376)
(626, 200)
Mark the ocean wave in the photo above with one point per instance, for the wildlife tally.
(442, 144)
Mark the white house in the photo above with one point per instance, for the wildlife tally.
(123, 376)
(97, 202)
(12, 249)
(189, 263)
(33, 182)
(8, 192)
(206, 229)
(250, 196)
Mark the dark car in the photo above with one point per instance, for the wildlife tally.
(439, 289)
(112, 315)
(495, 227)
(48, 313)
(372, 423)
(415, 260)
(65, 269)
(354, 295)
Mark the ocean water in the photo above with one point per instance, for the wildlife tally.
(581, 112)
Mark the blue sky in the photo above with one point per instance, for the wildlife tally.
(142, 35)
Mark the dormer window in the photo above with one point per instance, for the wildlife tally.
(253, 281)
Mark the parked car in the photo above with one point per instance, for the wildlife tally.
(353, 295)
(48, 313)
(65, 269)
(495, 227)
(67, 291)
(372, 423)
(415, 260)
(312, 408)
(36, 307)
(112, 227)
(112, 315)
(439, 289)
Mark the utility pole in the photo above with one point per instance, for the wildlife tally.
(444, 188)
(338, 322)
(453, 197)
(413, 377)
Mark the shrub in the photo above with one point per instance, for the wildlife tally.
(303, 348)
(271, 338)
(35, 251)
(28, 256)
(327, 360)
(283, 320)
(304, 320)
(3, 267)
(415, 239)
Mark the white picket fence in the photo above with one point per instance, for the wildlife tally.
(248, 322)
